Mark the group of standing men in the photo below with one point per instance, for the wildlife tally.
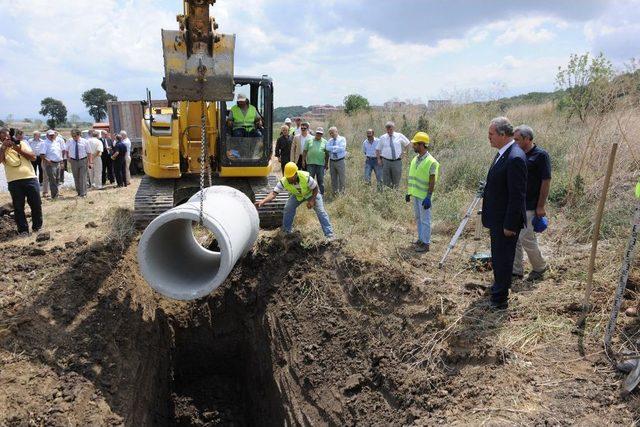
(515, 195)
(93, 161)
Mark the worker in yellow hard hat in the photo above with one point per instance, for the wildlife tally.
(423, 175)
(302, 188)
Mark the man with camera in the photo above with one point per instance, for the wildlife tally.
(17, 156)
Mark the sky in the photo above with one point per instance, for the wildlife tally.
(317, 52)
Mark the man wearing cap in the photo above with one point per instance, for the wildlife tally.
(244, 119)
(538, 184)
(292, 131)
(389, 152)
(299, 142)
(302, 188)
(95, 174)
(50, 159)
(79, 154)
(63, 166)
(316, 157)
(35, 144)
(423, 175)
(16, 156)
(337, 149)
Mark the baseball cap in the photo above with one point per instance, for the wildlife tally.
(287, 120)
(320, 130)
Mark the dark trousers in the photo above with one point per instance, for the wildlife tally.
(503, 252)
(283, 161)
(29, 190)
(243, 133)
(299, 163)
(107, 169)
(63, 169)
(37, 168)
(120, 171)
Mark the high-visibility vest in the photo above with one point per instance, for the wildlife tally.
(638, 189)
(242, 121)
(292, 131)
(419, 176)
(303, 180)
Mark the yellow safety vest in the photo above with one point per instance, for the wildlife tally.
(638, 189)
(303, 179)
(242, 121)
(419, 176)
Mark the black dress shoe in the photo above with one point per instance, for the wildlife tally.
(498, 306)
(517, 276)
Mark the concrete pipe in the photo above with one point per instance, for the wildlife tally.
(174, 263)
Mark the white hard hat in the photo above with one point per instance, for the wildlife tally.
(242, 97)
(287, 120)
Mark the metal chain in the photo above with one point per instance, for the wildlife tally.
(622, 283)
(203, 156)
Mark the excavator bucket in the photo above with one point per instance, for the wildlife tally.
(198, 76)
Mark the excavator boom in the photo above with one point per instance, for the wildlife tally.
(198, 61)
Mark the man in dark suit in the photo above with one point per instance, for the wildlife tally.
(504, 209)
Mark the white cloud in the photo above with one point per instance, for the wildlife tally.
(528, 30)
(616, 33)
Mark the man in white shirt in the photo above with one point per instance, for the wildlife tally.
(96, 152)
(390, 148)
(127, 142)
(50, 155)
(78, 152)
(299, 142)
(63, 166)
(337, 148)
(369, 147)
(34, 144)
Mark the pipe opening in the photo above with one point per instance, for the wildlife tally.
(184, 257)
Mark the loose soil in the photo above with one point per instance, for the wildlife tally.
(301, 333)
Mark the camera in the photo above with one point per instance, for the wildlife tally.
(12, 135)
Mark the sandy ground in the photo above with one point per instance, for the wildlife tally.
(302, 333)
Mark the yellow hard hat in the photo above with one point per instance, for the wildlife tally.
(421, 137)
(290, 169)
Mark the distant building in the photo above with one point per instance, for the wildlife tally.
(395, 105)
(320, 113)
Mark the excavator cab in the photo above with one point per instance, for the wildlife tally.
(249, 151)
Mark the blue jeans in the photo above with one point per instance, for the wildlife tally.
(423, 219)
(371, 165)
(290, 213)
(317, 173)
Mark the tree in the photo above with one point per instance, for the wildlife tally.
(55, 110)
(355, 102)
(1, 123)
(74, 120)
(586, 82)
(96, 101)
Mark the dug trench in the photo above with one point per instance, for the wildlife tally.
(299, 334)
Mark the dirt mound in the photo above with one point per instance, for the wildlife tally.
(298, 335)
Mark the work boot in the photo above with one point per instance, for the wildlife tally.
(536, 276)
(422, 247)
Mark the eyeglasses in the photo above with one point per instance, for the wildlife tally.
(304, 128)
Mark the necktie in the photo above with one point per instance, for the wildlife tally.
(77, 151)
(495, 159)
(393, 147)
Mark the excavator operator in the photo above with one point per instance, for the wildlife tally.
(244, 120)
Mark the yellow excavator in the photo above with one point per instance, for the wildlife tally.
(188, 145)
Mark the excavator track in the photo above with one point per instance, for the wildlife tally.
(270, 214)
(154, 197)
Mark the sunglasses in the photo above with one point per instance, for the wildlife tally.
(304, 128)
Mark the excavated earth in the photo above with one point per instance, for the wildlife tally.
(298, 335)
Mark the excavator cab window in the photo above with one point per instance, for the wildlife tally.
(249, 147)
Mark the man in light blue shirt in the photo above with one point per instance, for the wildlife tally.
(369, 147)
(50, 158)
(337, 149)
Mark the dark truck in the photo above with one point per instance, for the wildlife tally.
(127, 116)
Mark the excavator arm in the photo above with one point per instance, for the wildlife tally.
(198, 61)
